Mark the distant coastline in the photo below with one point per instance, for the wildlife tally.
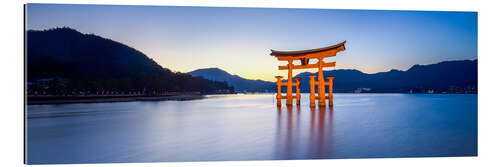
(61, 99)
(71, 99)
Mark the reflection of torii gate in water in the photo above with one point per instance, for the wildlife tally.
(304, 56)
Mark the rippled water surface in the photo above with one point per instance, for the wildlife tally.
(251, 127)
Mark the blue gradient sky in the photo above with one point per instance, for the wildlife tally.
(239, 40)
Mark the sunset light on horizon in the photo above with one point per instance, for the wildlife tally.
(239, 40)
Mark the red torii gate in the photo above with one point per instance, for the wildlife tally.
(304, 56)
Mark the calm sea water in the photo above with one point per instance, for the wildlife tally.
(251, 127)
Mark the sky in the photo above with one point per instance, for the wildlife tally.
(238, 40)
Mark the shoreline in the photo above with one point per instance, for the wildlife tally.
(36, 100)
(49, 99)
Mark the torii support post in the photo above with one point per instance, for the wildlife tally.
(297, 90)
(289, 85)
(278, 96)
(312, 95)
(330, 91)
(289, 94)
(321, 84)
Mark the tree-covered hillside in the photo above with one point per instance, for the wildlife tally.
(65, 61)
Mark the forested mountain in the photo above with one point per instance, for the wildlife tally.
(63, 60)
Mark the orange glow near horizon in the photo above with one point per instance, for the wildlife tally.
(238, 40)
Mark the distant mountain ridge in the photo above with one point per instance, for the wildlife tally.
(455, 76)
(449, 76)
(240, 84)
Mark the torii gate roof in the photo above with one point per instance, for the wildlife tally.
(303, 52)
